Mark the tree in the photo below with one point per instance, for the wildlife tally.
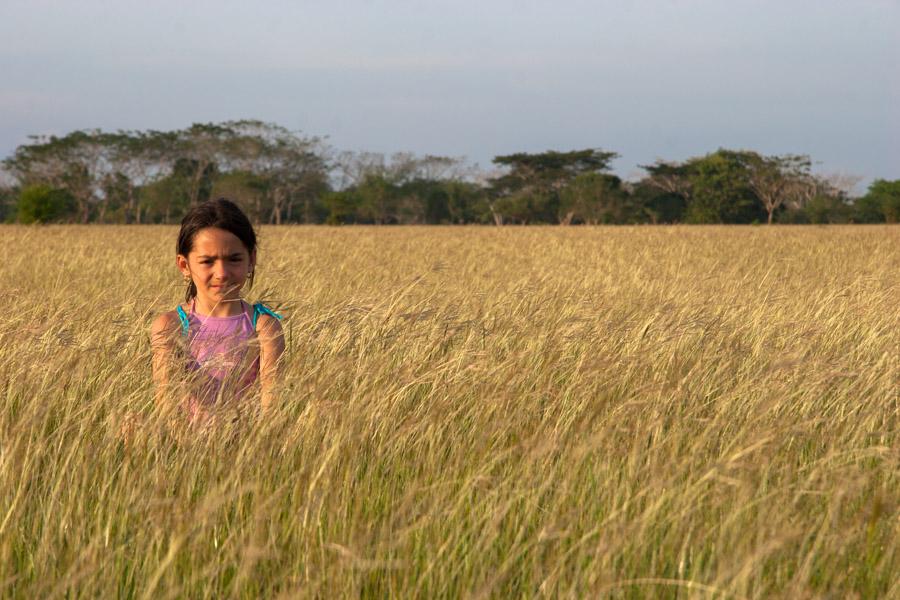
(826, 208)
(137, 159)
(115, 191)
(292, 166)
(551, 168)
(168, 198)
(377, 200)
(532, 184)
(720, 190)
(341, 207)
(8, 196)
(423, 201)
(402, 188)
(771, 177)
(199, 149)
(715, 187)
(350, 168)
(466, 202)
(8, 203)
(593, 198)
(885, 195)
(655, 204)
(40, 203)
(246, 189)
(374, 200)
(802, 191)
(74, 163)
(670, 177)
(524, 206)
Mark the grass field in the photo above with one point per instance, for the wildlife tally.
(668, 412)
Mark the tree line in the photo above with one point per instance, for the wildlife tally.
(282, 176)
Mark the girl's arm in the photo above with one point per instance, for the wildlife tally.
(163, 335)
(271, 347)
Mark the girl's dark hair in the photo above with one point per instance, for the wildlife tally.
(222, 214)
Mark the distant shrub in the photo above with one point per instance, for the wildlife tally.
(828, 209)
(8, 197)
(868, 209)
(884, 197)
(43, 204)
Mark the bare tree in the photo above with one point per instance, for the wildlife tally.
(7, 180)
(351, 168)
(206, 146)
(803, 188)
(771, 177)
(843, 183)
(291, 164)
(140, 158)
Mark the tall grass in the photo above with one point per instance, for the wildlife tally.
(487, 412)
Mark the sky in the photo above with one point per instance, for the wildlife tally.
(660, 79)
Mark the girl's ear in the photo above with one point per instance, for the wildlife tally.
(253, 260)
(181, 262)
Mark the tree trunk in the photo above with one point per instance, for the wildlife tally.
(290, 210)
(277, 198)
(85, 211)
(198, 178)
(129, 213)
(498, 218)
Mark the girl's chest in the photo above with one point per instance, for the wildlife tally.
(223, 350)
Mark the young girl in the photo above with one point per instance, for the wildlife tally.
(209, 351)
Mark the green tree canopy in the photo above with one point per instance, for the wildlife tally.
(551, 169)
(594, 198)
(40, 203)
(530, 189)
(884, 196)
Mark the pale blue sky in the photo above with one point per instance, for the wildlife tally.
(648, 79)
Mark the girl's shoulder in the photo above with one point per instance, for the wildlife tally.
(167, 323)
(265, 320)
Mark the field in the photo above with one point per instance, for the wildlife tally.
(668, 412)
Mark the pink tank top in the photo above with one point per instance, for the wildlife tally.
(218, 350)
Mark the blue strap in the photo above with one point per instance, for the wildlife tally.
(184, 320)
(261, 309)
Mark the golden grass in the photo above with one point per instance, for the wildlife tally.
(487, 412)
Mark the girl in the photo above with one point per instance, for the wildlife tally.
(222, 343)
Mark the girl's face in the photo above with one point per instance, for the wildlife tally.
(218, 264)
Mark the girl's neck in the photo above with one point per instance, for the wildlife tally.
(224, 308)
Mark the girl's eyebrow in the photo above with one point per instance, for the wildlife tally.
(233, 255)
